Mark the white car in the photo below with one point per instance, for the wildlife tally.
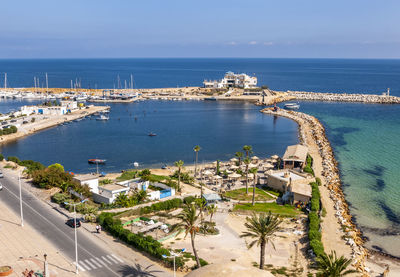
(1, 174)
(1, 186)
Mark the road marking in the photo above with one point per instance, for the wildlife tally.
(104, 258)
(117, 258)
(95, 262)
(80, 268)
(83, 265)
(112, 259)
(100, 261)
(89, 263)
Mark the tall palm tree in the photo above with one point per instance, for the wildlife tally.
(212, 209)
(261, 228)
(331, 266)
(202, 205)
(254, 172)
(239, 155)
(248, 149)
(179, 164)
(189, 224)
(246, 161)
(196, 149)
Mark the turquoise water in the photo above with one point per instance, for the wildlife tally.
(366, 142)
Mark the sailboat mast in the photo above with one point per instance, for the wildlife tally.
(47, 84)
(5, 80)
(131, 81)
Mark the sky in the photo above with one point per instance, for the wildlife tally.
(189, 28)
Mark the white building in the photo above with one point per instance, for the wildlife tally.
(54, 110)
(108, 193)
(69, 105)
(232, 80)
(92, 181)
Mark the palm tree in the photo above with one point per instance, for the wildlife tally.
(196, 149)
(248, 149)
(331, 266)
(189, 224)
(202, 205)
(261, 228)
(246, 161)
(254, 172)
(179, 164)
(239, 155)
(212, 209)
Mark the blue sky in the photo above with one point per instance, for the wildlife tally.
(188, 28)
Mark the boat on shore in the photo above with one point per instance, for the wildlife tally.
(210, 99)
(96, 161)
(291, 106)
(151, 134)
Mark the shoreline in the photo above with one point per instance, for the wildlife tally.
(312, 133)
(50, 123)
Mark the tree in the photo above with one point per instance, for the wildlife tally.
(179, 164)
(261, 228)
(239, 155)
(122, 200)
(246, 161)
(189, 224)
(141, 196)
(248, 149)
(212, 209)
(57, 166)
(196, 149)
(331, 266)
(254, 172)
(202, 205)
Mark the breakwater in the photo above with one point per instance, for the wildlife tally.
(344, 97)
(311, 128)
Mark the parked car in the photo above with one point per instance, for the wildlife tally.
(71, 222)
(1, 174)
(1, 186)
(13, 120)
(4, 123)
(25, 122)
(7, 126)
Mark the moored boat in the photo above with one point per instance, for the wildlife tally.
(291, 106)
(96, 161)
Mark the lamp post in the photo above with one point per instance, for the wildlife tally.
(20, 199)
(174, 255)
(76, 239)
(46, 270)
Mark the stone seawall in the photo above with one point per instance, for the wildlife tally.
(344, 97)
(310, 127)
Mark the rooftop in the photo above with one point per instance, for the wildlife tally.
(301, 188)
(291, 175)
(86, 177)
(296, 153)
(113, 187)
(211, 197)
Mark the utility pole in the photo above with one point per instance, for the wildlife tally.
(20, 199)
(46, 267)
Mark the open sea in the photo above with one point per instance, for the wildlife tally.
(365, 137)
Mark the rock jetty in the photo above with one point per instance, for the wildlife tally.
(330, 174)
(344, 97)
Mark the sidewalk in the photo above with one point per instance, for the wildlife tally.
(23, 248)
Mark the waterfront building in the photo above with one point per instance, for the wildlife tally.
(108, 193)
(70, 105)
(295, 156)
(232, 80)
(91, 180)
(45, 110)
(294, 185)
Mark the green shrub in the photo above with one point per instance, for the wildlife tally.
(57, 166)
(162, 206)
(314, 234)
(1, 157)
(313, 221)
(188, 199)
(317, 247)
(60, 198)
(13, 159)
(318, 180)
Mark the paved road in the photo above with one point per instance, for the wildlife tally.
(93, 258)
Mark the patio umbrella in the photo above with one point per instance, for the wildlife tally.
(252, 165)
(217, 177)
(234, 176)
(234, 167)
(234, 160)
(254, 158)
(208, 172)
(268, 166)
(275, 157)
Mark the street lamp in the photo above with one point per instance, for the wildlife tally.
(46, 270)
(174, 255)
(76, 239)
(20, 199)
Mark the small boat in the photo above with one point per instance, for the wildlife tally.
(291, 106)
(164, 166)
(135, 164)
(102, 118)
(152, 134)
(96, 161)
(210, 98)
